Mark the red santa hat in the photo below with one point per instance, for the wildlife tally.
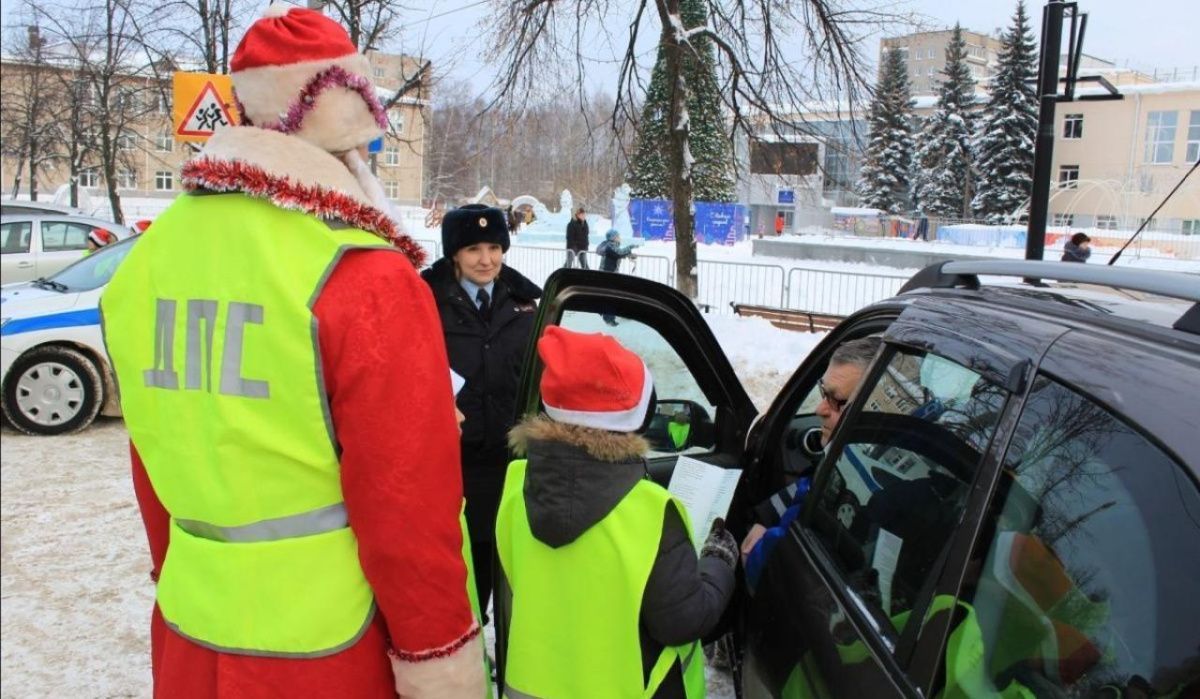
(100, 237)
(296, 71)
(590, 380)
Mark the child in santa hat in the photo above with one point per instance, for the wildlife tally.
(584, 535)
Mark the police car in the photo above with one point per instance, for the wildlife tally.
(56, 374)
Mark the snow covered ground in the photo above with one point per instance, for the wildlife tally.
(73, 559)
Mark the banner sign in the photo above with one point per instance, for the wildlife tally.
(716, 223)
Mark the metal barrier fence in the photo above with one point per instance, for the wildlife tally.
(433, 249)
(725, 283)
(535, 263)
(652, 267)
(837, 293)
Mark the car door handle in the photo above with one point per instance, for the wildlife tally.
(24, 265)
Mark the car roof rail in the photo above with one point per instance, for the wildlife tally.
(965, 274)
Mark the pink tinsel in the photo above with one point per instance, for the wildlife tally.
(252, 180)
(334, 76)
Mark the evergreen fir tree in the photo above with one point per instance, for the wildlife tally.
(944, 180)
(1004, 146)
(885, 178)
(712, 173)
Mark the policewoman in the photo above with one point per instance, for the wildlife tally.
(487, 310)
(305, 540)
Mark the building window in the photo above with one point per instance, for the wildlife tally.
(391, 188)
(127, 142)
(931, 71)
(162, 104)
(396, 120)
(1064, 220)
(1068, 177)
(1106, 222)
(164, 143)
(1149, 224)
(1193, 142)
(1073, 126)
(391, 155)
(164, 180)
(1191, 226)
(89, 177)
(126, 179)
(1160, 136)
(379, 72)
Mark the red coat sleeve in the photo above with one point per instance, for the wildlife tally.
(154, 515)
(388, 385)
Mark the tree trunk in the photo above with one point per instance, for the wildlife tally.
(686, 280)
(16, 189)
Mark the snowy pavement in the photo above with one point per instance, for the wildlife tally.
(74, 566)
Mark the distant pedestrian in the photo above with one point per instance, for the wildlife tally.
(779, 224)
(577, 239)
(611, 252)
(922, 230)
(1078, 248)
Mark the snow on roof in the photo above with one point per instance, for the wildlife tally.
(854, 211)
(1145, 88)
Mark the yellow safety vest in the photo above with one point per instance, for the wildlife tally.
(210, 328)
(575, 609)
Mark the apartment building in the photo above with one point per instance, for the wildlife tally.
(925, 56)
(150, 159)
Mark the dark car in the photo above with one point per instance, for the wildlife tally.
(1008, 507)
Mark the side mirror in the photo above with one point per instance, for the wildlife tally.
(678, 425)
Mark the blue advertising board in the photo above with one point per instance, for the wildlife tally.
(716, 223)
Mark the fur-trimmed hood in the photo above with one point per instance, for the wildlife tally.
(292, 174)
(576, 475)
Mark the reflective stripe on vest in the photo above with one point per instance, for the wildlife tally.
(210, 328)
(597, 581)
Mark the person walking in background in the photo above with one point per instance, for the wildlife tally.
(611, 252)
(601, 587)
(1077, 249)
(487, 311)
(779, 224)
(577, 239)
(922, 230)
(305, 541)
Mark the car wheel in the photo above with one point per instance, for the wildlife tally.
(52, 390)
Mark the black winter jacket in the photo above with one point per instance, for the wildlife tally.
(487, 352)
(577, 235)
(574, 478)
(1074, 253)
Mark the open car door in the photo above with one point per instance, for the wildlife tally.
(695, 384)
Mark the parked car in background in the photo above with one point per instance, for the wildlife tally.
(55, 375)
(39, 244)
(11, 207)
(1009, 505)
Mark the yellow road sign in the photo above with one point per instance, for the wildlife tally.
(203, 103)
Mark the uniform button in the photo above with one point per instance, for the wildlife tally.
(486, 345)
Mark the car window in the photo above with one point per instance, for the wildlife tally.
(899, 482)
(683, 420)
(1088, 587)
(64, 235)
(95, 270)
(14, 236)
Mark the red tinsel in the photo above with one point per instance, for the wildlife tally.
(236, 176)
(334, 76)
(443, 652)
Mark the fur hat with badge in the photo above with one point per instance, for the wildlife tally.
(614, 393)
(472, 224)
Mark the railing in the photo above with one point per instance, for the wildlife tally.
(841, 293)
(535, 263)
(433, 249)
(652, 267)
(724, 283)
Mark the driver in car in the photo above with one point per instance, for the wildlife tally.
(847, 366)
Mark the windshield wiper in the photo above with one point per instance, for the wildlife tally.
(49, 284)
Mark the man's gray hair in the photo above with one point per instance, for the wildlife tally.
(858, 352)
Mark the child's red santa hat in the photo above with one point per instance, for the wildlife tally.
(590, 380)
(100, 237)
(296, 71)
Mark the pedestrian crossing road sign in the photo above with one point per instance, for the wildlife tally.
(203, 103)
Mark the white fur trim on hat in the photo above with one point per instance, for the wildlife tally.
(339, 120)
(277, 9)
(620, 421)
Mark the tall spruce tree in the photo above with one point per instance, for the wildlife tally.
(708, 140)
(1004, 146)
(885, 182)
(944, 164)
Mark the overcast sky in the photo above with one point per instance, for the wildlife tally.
(1147, 34)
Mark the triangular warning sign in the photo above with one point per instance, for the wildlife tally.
(207, 114)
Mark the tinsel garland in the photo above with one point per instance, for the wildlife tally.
(334, 76)
(235, 176)
(443, 652)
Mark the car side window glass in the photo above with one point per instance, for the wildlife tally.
(899, 483)
(58, 236)
(683, 419)
(14, 236)
(1088, 586)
